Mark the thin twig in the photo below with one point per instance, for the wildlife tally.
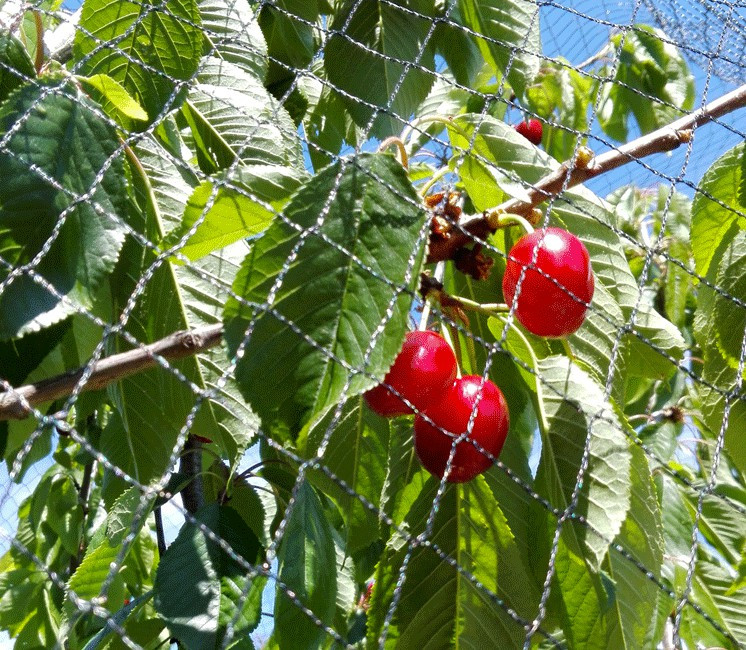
(109, 370)
(664, 139)
(159, 535)
(83, 492)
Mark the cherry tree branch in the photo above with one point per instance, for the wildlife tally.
(14, 405)
(109, 370)
(664, 139)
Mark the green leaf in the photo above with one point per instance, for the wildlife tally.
(232, 33)
(574, 407)
(713, 219)
(709, 590)
(149, 41)
(171, 182)
(511, 37)
(561, 94)
(326, 123)
(367, 62)
(198, 584)
(15, 64)
(291, 40)
(440, 606)
(115, 93)
(72, 351)
(335, 294)
(152, 407)
(652, 82)
(242, 207)
(151, 628)
(231, 116)
(444, 98)
(307, 567)
(104, 551)
(641, 536)
(66, 141)
(458, 48)
(715, 318)
(355, 452)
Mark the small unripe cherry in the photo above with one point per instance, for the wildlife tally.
(531, 130)
(451, 413)
(545, 307)
(425, 366)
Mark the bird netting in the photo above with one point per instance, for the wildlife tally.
(372, 323)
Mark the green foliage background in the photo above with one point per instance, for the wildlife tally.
(193, 163)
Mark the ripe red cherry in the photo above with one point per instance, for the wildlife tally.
(451, 412)
(530, 130)
(425, 366)
(545, 308)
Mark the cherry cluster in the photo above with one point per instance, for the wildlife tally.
(466, 420)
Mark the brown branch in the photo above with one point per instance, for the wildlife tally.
(664, 139)
(109, 370)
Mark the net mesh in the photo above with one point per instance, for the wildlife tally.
(66, 470)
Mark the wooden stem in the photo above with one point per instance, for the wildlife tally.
(14, 405)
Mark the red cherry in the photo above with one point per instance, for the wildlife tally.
(531, 130)
(451, 412)
(425, 366)
(545, 308)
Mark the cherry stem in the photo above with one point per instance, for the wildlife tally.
(437, 175)
(397, 142)
(488, 308)
(499, 219)
(568, 349)
(440, 269)
(450, 334)
(432, 119)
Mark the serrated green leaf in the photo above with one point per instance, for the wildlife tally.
(371, 213)
(291, 39)
(198, 585)
(713, 218)
(458, 48)
(367, 61)
(720, 344)
(512, 36)
(641, 536)
(171, 182)
(233, 34)
(105, 547)
(356, 453)
(233, 117)
(65, 140)
(326, 123)
(16, 64)
(307, 567)
(439, 605)
(152, 406)
(149, 40)
(574, 407)
(114, 92)
(652, 82)
(253, 196)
